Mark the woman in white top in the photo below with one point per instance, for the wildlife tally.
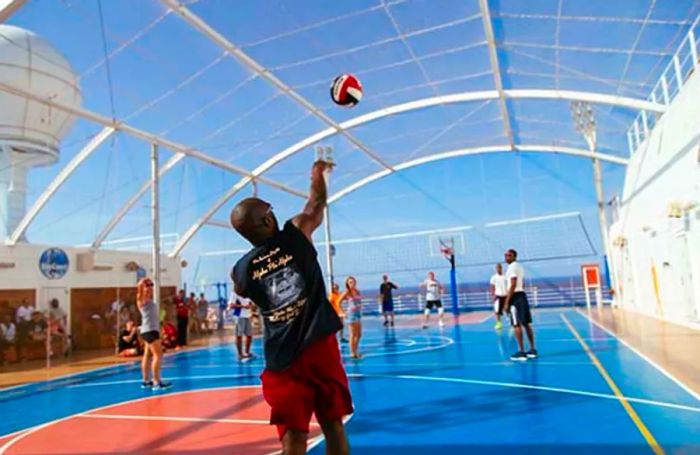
(150, 333)
(353, 315)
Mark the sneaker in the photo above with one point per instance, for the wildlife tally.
(519, 356)
(532, 354)
(425, 326)
(441, 324)
(386, 323)
(392, 323)
(146, 384)
(162, 385)
(498, 326)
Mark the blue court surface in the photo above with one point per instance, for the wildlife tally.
(450, 390)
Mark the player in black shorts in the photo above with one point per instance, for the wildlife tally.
(387, 299)
(433, 290)
(518, 307)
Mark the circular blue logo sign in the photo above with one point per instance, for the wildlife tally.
(53, 263)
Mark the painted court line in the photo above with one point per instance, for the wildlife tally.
(658, 367)
(529, 387)
(174, 378)
(21, 434)
(127, 366)
(502, 363)
(177, 419)
(653, 443)
(484, 319)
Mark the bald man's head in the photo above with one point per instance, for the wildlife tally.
(253, 219)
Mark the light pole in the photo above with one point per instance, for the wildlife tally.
(585, 124)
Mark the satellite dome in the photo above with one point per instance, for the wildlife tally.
(29, 63)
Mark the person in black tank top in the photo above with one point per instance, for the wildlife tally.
(281, 274)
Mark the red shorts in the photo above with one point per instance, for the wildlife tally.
(314, 383)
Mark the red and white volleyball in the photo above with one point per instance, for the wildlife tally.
(346, 90)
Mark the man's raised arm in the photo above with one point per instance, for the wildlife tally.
(311, 217)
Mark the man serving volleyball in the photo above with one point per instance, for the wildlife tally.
(303, 374)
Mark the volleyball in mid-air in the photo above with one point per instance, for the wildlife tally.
(346, 90)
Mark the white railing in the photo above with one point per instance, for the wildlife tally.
(672, 79)
(481, 300)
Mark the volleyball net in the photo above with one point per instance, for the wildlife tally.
(551, 248)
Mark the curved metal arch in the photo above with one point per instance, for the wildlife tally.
(476, 151)
(58, 181)
(110, 126)
(505, 148)
(464, 97)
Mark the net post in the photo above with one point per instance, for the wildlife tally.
(116, 322)
(325, 153)
(329, 247)
(155, 225)
(47, 345)
(453, 285)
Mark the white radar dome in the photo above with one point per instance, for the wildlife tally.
(29, 63)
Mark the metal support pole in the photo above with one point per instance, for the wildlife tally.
(329, 247)
(219, 304)
(155, 217)
(602, 218)
(325, 153)
(630, 142)
(453, 286)
(677, 70)
(664, 89)
(693, 48)
(637, 133)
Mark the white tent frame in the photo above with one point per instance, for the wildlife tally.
(500, 94)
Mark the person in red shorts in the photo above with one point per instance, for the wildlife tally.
(303, 374)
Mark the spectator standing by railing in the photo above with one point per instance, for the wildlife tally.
(183, 314)
(202, 307)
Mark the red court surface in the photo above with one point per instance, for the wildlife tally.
(225, 420)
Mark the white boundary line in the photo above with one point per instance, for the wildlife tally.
(529, 387)
(485, 318)
(125, 364)
(175, 378)
(178, 419)
(448, 341)
(643, 356)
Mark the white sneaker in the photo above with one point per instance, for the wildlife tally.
(442, 324)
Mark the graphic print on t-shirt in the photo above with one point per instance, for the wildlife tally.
(282, 283)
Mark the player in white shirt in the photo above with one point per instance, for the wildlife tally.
(433, 290)
(244, 326)
(518, 307)
(499, 292)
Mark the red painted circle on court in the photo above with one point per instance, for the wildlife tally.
(230, 420)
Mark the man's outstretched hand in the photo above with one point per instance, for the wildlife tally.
(321, 167)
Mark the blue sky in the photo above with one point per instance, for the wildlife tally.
(171, 80)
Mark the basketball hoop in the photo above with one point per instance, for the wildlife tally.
(447, 251)
(447, 248)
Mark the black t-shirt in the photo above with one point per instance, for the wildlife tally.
(385, 290)
(284, 280)
(134, 343)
